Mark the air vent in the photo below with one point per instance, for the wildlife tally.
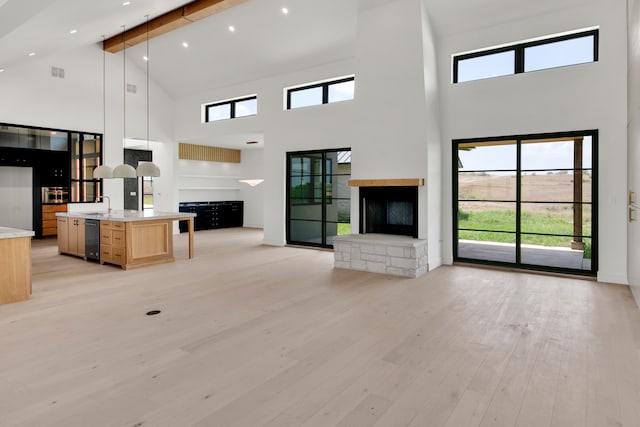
(131, 88)
(57, 72)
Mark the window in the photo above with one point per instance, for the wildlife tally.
(231, 109)
(321, 93)
(551, 52)
(147, 192)
(86, 155)
(318, 196)
(527, 201)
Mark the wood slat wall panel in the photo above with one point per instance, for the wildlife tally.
(208, 154)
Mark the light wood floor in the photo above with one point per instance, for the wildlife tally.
(252, 335)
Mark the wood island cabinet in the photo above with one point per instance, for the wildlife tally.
(71, 236)
(113, 243)
(15, 265)
(128, 239)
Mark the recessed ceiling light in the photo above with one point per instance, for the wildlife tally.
(232, 28)
(32, 54)
(1, 70)
(185, 44)
(126, 3)
(73, 31)
(146, 58)
(285, 10)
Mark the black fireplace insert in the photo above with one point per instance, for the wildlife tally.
(389, 210)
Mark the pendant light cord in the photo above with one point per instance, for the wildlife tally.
(104, 97)
(124, 79)
(148, 59)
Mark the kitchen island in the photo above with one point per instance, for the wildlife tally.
(15, 264)
(127, 238)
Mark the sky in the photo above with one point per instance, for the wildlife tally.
(551, 55)
(547, 155)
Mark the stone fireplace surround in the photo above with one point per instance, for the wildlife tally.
(382, 253)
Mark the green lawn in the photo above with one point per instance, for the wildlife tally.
(344, 228)
(504, 220)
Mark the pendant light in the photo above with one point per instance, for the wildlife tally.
(124, 170)
(103, 171)
(147, 168)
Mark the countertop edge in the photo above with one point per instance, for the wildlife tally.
(127, 216)
(14, 233)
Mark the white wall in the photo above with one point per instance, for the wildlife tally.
(75, 103)
(396, 108)
(252, 167)
(633, 158)
(318, 127)
(588, 96)
(391, 126)
(200, 181)
(16, 193)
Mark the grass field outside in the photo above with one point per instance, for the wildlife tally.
(504, 220)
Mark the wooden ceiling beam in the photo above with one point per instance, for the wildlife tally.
(201, 9)
(177, 18)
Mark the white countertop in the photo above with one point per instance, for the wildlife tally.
(128, 215)
(12, 233)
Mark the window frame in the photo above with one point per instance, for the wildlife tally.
(232, 108)
(325, 90)
(520, 200)
(78, 184)
(519, 52)
(324, 201)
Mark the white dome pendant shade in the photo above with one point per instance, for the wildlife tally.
(124, 171)
(147, 168)
(103, 172)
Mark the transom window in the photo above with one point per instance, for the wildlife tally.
(231, 109)
(321, 93)
(550, 52)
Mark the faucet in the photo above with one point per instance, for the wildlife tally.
(108, 202)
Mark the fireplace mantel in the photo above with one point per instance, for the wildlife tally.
(398, 182)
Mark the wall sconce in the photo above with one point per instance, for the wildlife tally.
(252, 182)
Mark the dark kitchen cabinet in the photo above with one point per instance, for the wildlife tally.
(211, 215)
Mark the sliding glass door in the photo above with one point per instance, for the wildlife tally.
(318, 197)
(527, 201)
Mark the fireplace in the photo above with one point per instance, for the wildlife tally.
(389, 210)
(388, 240)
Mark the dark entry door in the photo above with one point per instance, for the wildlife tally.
(132, 185)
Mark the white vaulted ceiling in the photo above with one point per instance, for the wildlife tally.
(266, 42)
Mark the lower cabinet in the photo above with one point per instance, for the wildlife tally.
(71, 236)
(49, 223)
(113, 243)
(211, 215)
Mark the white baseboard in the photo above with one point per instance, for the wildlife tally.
(273, 242)
(619, 279)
